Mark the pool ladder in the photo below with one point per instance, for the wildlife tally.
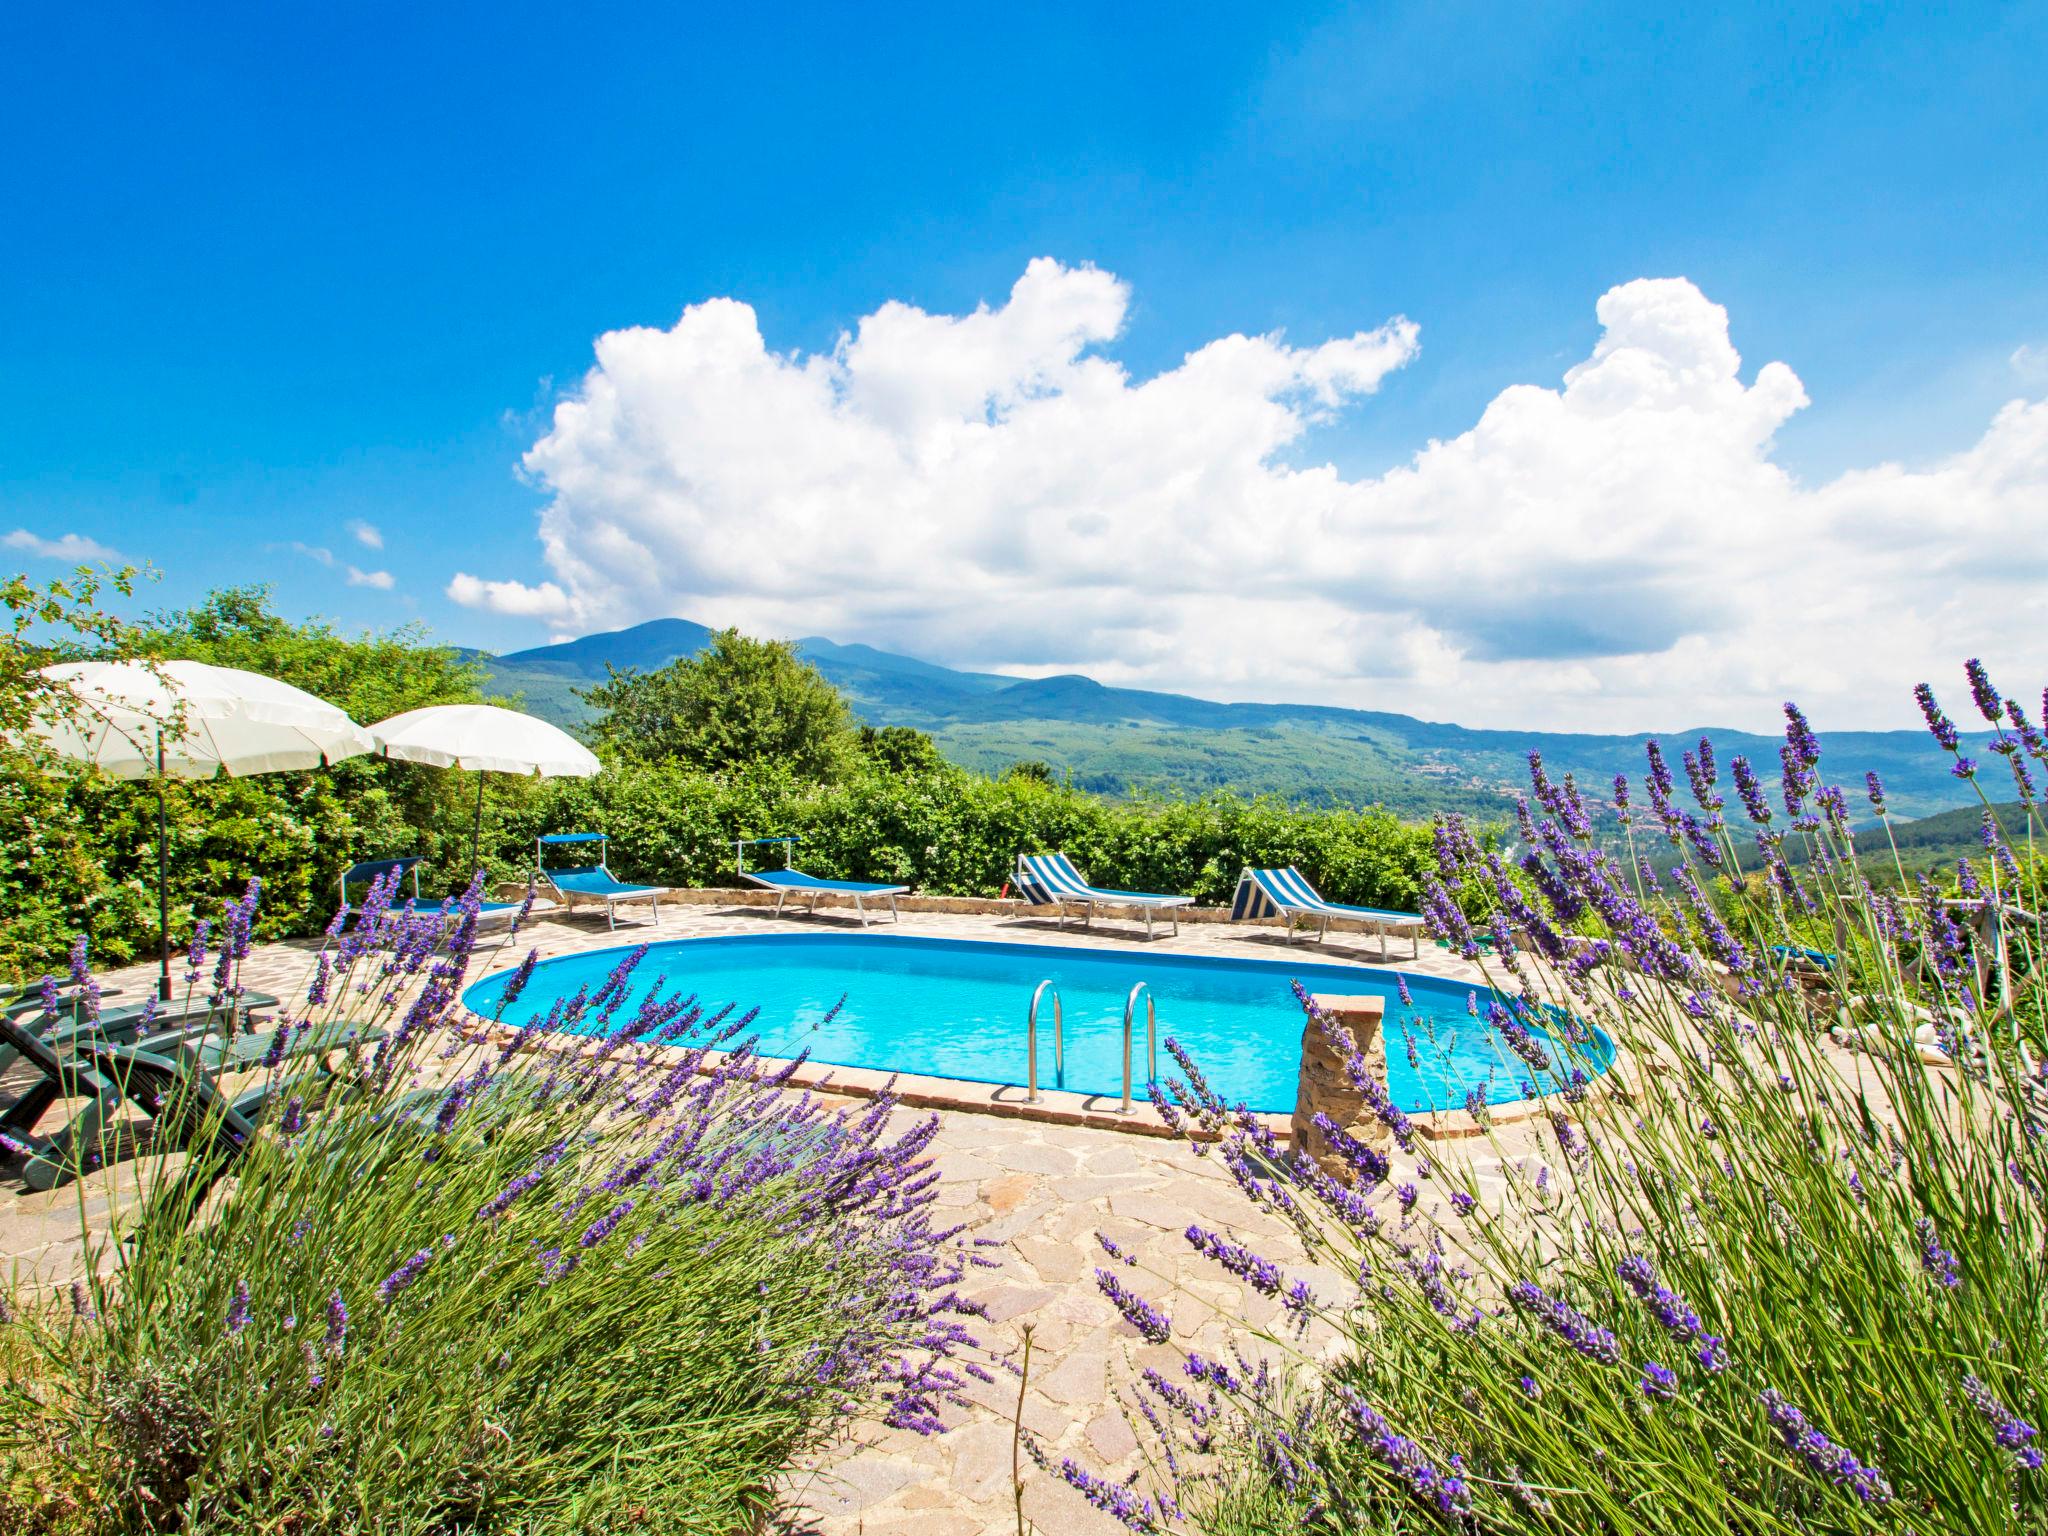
(1059, 1044)
(1059, 1054)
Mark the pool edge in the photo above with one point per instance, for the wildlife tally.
(1003, 1100)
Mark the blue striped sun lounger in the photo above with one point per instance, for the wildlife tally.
(1050, 880)
(787, 882)
(1286, 894)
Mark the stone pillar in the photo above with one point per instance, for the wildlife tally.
(1327, 1088)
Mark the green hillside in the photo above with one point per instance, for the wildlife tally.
(1118, 741)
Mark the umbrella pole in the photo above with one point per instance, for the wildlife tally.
(163, 867)
(476, 833)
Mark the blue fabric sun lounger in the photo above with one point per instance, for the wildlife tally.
(361, 875)
(1286, 894)
(591, 885)
(1050, 879)
(787, 882)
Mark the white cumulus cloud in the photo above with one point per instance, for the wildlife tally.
(1618, 549)
(545, 601)
(369, 535)
(75, 547)
(383, 581)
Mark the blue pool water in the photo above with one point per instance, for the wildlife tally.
(956, 1008)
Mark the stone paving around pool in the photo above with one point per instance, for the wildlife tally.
(1041, 1191)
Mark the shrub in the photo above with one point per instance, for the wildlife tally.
(738, 702)
(485, 1284)
(952, 832)
(1757, 1284)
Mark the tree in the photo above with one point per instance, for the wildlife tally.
(739, 701)
(42, 624)
(902, 750)
(370, 677)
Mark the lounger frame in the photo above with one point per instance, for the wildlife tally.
(818, 885)
(861, 891)
(1290, 898)
(1050, 880)
(570, 898)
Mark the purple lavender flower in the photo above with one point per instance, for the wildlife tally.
(1368, 1163)
(1876, 786)
(2010, 1430)
(1699, 774)
(1712, 1354)
(52, 1003)
(518, 982)
(1750, 788)
(1793, 781)
(1658, 1382)
(1939, 1263)
(1800, 738)
(525, 907)
(1944, 729)
(1988, 702)
(605, 1225)
(1963, 767)
(1214, 1372)
(1262, 1274)
(403, 1276)
(1154, 1324)
(1519, 1040)
(1440, 1489)
(1132, 1510)
(1672, 1310)
(1831, 1461)
(238, 1309)
(1580, 1332)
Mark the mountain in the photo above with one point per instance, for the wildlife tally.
(1120, 740)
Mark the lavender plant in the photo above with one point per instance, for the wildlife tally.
(598, 1272)
(1784, 1268)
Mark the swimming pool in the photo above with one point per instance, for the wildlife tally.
(955, 1008)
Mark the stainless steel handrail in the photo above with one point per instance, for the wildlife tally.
(1059, 1044)
(1151, 1040)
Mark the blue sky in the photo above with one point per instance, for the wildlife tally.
(268, 270)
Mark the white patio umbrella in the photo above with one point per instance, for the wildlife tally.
(189, 720)
(484, 738)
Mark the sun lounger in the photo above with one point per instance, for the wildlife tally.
(121, 1026)
(361, 875)
(787, 882)
(1286, 894)
(1050, 880)
(592, 885)
(106, 1074)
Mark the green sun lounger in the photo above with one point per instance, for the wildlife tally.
(163, 1075)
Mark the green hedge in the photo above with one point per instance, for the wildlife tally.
(951, 832)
